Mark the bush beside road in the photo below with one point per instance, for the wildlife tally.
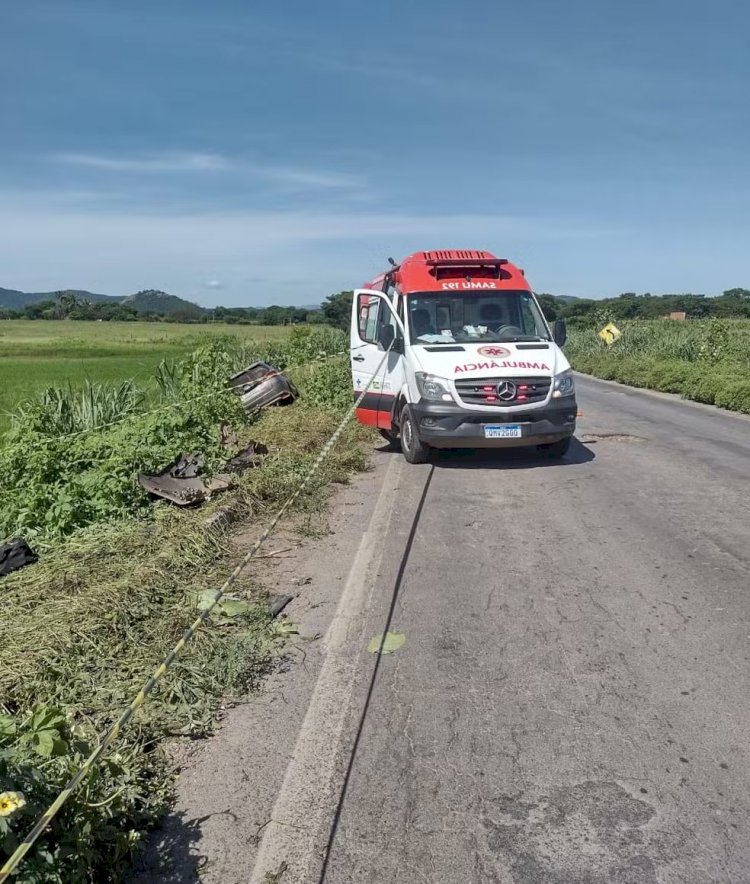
(706, 361)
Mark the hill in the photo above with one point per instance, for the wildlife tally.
(16, 300)
(566, 299)
(153, 301)
(148, 301)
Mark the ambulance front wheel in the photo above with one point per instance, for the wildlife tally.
(414, 450)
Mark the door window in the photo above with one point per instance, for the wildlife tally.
(370, 313)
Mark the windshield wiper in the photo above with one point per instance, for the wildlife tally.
(517, 338)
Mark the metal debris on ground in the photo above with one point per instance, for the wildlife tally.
(181, 481)
(15, 554)
(222, 518)
(261, 385)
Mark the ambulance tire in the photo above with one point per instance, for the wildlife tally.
(391, 438)
(556, 450)
(414, 450)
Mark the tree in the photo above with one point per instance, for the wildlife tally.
(274, 315)
(337, 309)
(67, 302)
(38, 309)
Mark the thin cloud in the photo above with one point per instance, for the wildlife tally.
(148, 163)
(286, 177)
(310, 178)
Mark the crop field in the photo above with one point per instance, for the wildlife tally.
(37, 354)
(707, 361)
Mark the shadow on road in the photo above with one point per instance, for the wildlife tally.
(503, 458)
(169, 855)
(374, 676)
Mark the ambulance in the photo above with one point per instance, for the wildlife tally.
(452, 350)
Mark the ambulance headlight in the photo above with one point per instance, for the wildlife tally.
(564, 385)
(433, 388)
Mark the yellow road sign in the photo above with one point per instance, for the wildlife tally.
(610, 333)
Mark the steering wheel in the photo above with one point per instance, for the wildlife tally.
(510, 330)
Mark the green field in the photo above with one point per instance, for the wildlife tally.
(39, 354)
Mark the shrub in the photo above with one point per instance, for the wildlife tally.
(734, 394)
(668, 377)
(98, 827)
(51, 486)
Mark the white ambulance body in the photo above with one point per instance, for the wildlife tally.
(457, 354)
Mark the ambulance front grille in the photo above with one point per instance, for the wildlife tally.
(484, 391)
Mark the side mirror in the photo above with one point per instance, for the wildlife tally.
(560, 332)
(386, 336)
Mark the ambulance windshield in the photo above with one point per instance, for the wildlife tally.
(492, 316)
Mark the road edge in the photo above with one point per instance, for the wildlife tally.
(288, 840)
(668, 397)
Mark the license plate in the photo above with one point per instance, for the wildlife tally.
(502, 431)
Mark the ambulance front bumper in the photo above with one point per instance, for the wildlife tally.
(444, 425)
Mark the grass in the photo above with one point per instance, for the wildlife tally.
(84, 628)
(38, 354)
(707, 361)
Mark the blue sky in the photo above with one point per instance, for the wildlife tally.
(245, 153)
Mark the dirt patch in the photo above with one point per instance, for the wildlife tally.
(594, 832)
(588, 438)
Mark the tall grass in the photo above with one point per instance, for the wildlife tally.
(712, 339)
(708, 360)
(60, 411)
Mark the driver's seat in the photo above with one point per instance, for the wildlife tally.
(490, 314)
(420, 323)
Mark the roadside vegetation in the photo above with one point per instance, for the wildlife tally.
(35, 355)
(704, 360)
(731, 304)
(90, 405)
(120, 578)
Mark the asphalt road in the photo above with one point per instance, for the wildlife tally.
(571, 701)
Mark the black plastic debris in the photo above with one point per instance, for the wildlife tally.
(249, 457)
(15, 554)
(261, 385)
(181, 482)
(277, 604)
